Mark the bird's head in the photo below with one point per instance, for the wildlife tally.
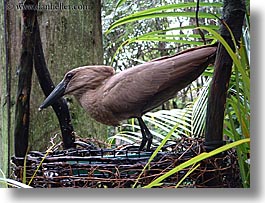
(78, 81)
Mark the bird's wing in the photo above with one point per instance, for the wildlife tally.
(144, 87)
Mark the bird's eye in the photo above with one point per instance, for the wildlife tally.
(69, 75)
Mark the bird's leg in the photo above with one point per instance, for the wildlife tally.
(147, 135)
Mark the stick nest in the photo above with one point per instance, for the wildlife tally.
(88, 166)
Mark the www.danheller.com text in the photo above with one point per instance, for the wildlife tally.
(49, 6)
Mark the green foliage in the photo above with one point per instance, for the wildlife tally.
(157, 12)
(199, 110)
(161, 36)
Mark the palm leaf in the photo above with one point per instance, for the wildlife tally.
(158, 12)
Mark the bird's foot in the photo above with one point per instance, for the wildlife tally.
(147, 135)
(146, 139)
(143, 143)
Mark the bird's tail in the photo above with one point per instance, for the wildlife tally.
(189, 50)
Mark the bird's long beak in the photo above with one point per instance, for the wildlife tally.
(54, 95)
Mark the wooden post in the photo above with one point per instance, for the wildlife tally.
(233, 15)
(24, 80)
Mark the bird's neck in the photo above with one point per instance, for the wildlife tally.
(85, 97)
(87, 89)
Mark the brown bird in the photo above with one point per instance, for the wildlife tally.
(110, 98)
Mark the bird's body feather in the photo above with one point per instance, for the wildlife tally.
(137, 90)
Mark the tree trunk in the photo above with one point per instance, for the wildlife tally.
(233, 15)
(10, 49)
(70, 38)
(5, 93)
